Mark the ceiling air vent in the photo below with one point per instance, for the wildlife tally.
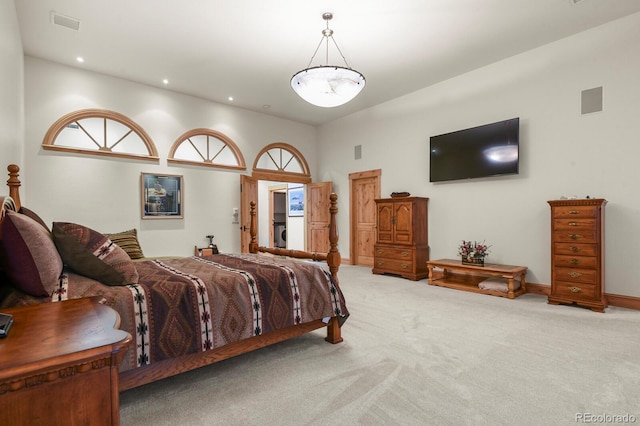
(65, 21)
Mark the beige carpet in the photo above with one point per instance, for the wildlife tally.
(416, 354)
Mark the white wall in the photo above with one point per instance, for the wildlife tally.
(11, 88)
(562, 152)
(104, 194)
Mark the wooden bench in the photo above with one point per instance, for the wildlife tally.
(454, 274)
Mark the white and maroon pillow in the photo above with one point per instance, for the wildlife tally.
(30, 258)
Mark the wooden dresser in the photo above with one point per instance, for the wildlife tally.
(577, 253)
(59, 365)
(402, 246)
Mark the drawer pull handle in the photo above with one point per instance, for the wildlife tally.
(574, 224)
(575, 289)
(574, 236)
(404, 266)
(405, 254)
(575, 274)
(380, 251)
(574, 211)
(379, 263)
(574, 261)
(574, 248)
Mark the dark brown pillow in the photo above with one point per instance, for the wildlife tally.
(31, 260)
(128, 241)
(33, 215)
(92, 254)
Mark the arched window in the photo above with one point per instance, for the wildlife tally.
(100, 132)
(208, 148)
(281, 162)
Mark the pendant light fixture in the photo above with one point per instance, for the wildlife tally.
(327, 85)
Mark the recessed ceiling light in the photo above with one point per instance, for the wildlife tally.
(165, 81)
(80, 59)
(230, 98)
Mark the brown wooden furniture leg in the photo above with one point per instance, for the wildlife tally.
(510, 293)
(334, 335)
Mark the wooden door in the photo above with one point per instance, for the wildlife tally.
(248, 193)
(318, 217)
(365, 188)
(403, 218)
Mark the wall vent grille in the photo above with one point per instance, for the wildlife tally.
(65, 21)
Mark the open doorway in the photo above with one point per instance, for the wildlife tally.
(307, 219)
(284, 163)
(277, 226)
(278, 214)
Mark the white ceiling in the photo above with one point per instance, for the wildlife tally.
(249, 49)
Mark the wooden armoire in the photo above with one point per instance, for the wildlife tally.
(402, 246)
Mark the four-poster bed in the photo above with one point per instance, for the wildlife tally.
(218, 306)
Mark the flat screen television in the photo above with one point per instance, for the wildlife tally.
(483, 151)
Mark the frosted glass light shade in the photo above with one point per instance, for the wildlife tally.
(327, 86)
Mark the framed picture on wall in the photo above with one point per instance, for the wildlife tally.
(295, 201)
(161, 196)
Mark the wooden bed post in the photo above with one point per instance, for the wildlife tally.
(333, 257)
(14, 184)
(334, 332)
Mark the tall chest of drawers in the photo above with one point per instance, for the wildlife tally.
(401, 237)
(577, 253)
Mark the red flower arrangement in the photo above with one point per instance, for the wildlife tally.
(469, 249)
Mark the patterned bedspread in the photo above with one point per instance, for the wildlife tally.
(185, 305)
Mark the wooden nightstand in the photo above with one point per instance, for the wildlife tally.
(59, 364)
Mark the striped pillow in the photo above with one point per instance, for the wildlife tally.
(128, 241)
(92, 254)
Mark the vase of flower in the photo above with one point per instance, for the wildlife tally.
(473, 253)
(477, 261)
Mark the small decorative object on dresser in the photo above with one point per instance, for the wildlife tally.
(473, 253)
(399, 194)
(577, 253)
(207, 251)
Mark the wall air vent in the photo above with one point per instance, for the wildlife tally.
(65, 21)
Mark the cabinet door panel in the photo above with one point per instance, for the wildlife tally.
(404, 223)
(385, 222)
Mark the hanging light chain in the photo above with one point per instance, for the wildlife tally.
(339, 51)
(326, 35)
